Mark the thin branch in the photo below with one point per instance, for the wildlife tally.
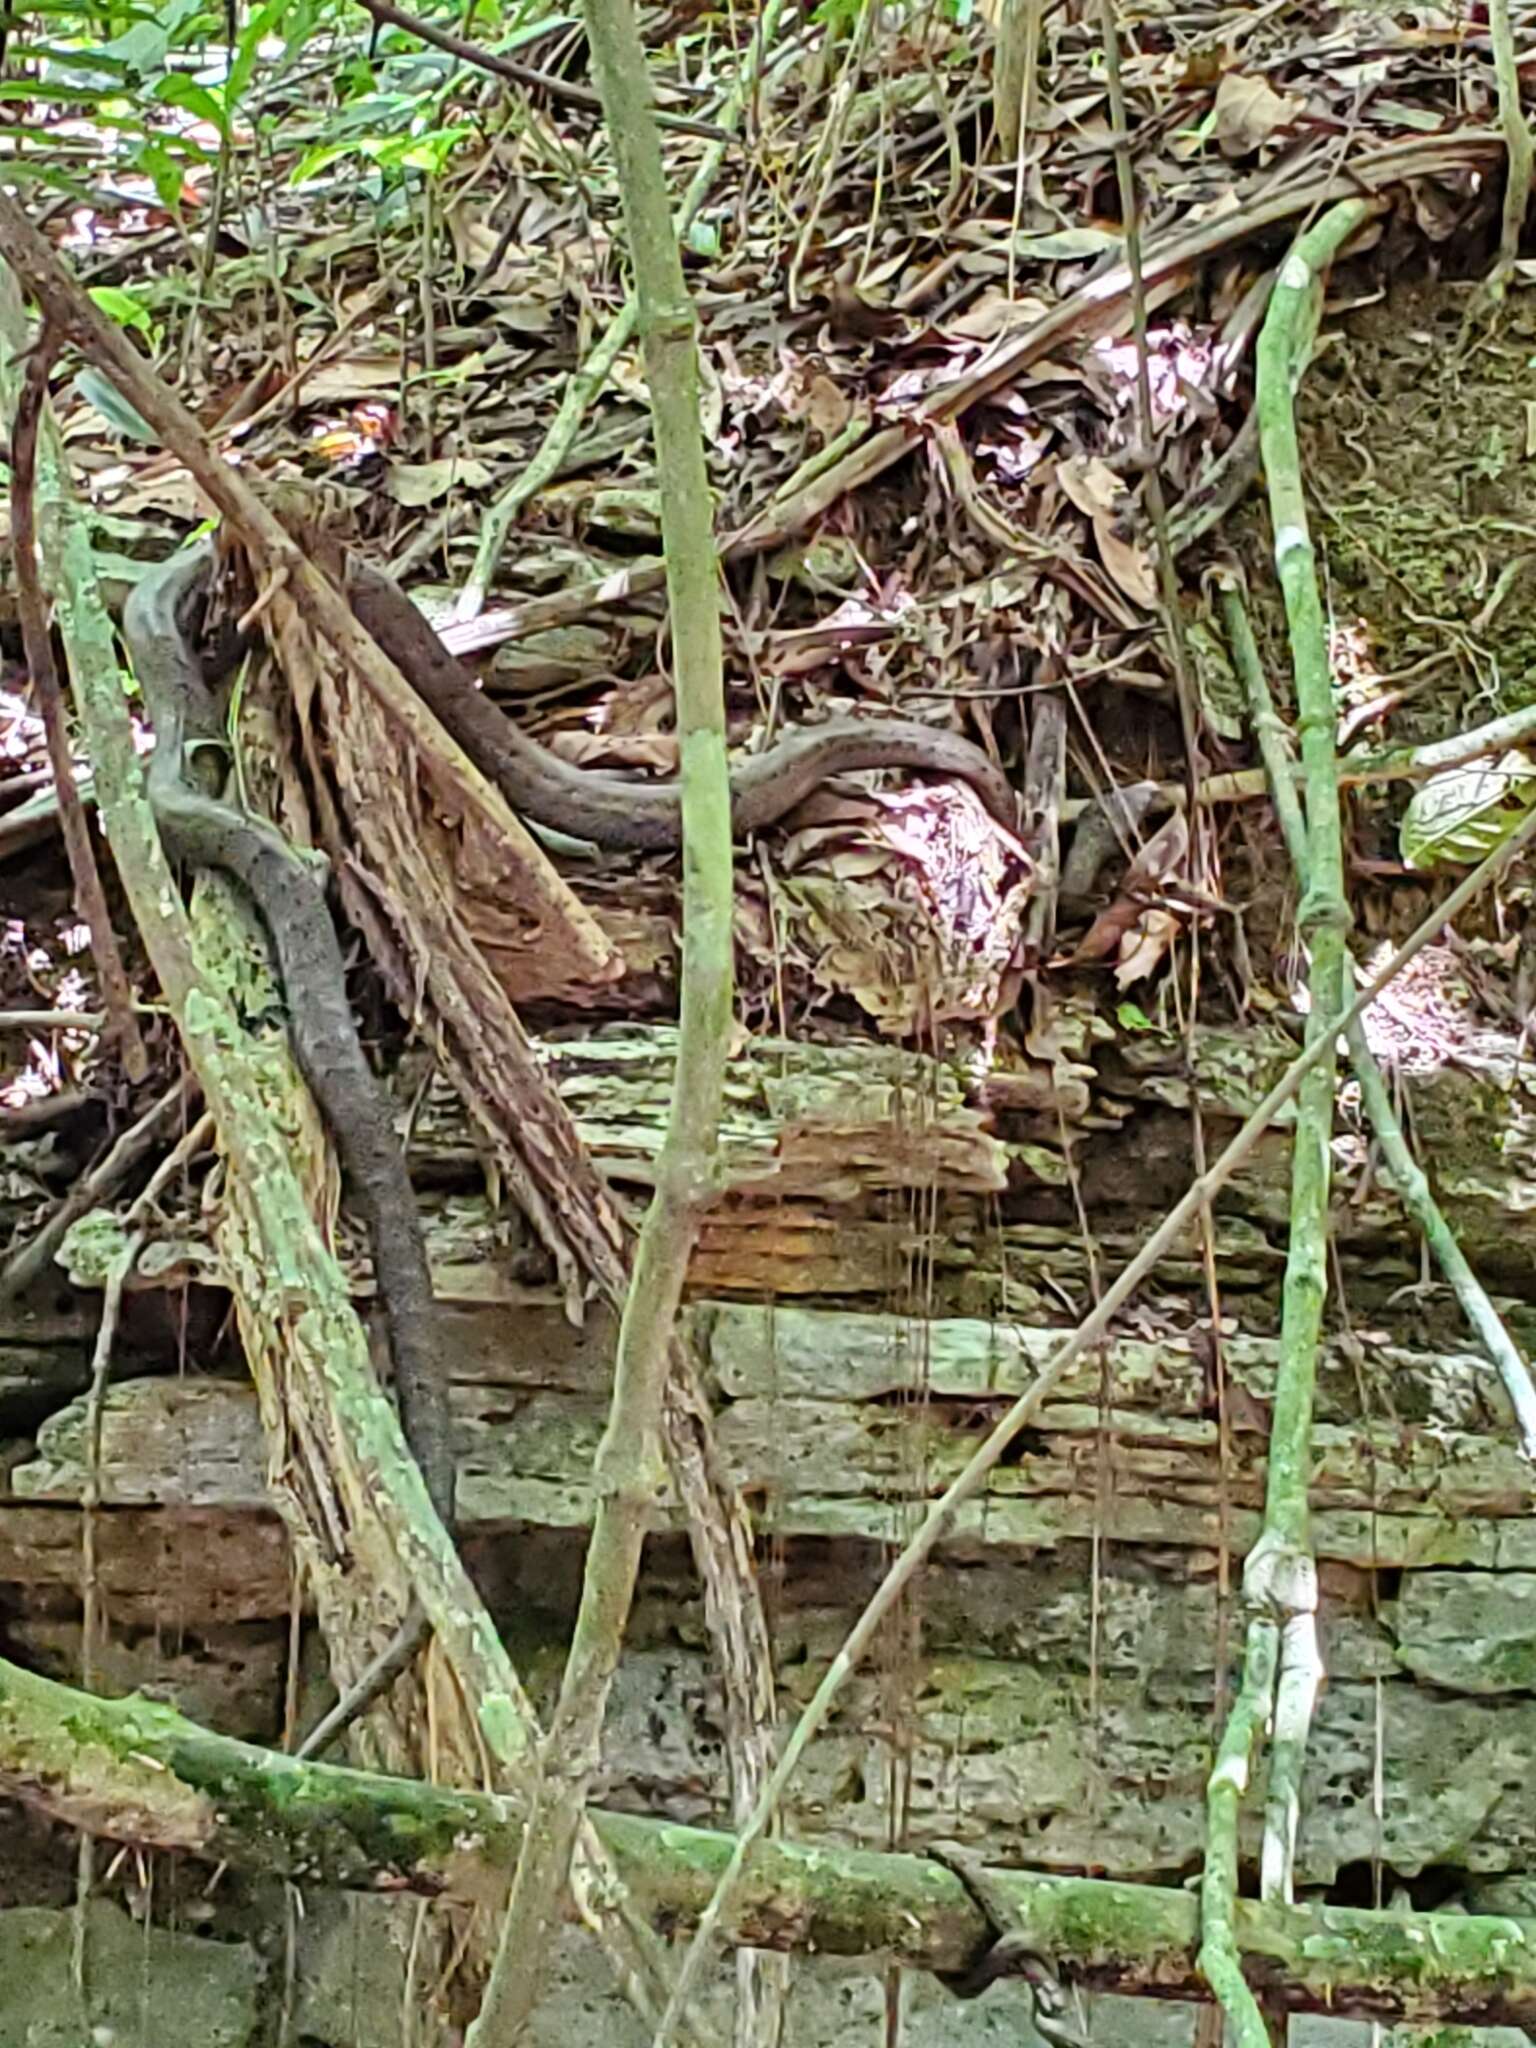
(941, 1514)
(90, 897)
(629, 1472)
(520, 74)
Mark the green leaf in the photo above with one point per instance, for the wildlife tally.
(95, 389)
(428, 152)
(123, 307)
(252, 36)
(1131, 1017)
(319, 158)
(1461, 815)
(143, 48)
(177, 90)
(157, 163)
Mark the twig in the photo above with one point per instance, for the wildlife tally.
(186, 1148)
(629, 1470)
(90, 898)
(52, 1020)
(584, 384)
(520, 74)
(1408, 1177)
(90, 1191)
(941, 1514)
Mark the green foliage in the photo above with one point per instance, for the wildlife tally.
(1461, 815)
(123, 307)
(163, 81)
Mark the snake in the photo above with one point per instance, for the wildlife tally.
(203, 830)
(613, 812)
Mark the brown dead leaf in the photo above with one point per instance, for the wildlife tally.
(1091, 485)
(1248, 111)
(657, 750)
(1142, 949)
(827, 408)
(1129, 565)
(157, 489)
(351, 377)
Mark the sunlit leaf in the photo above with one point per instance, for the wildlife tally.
(1460, 816)
(123, 307)
(143, 48)
(177, 90)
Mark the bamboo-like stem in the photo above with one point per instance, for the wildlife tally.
(936, 1523)
(584, 383)
(629, 1471)
(1408, 1177)
(1517, 141)
(1282, 1668)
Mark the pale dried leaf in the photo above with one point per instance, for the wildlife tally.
(1248, 111)
(1142, 949)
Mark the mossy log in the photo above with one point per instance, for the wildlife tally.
(139, 1772)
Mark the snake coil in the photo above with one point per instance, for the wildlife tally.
(205, 831)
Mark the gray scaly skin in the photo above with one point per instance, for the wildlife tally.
(610, 810)
(204, 831)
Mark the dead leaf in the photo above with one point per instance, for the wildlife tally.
(1128, 564)
(1248, 111)
(1088, 482)
(1142, 949)
(423, 483)
(827, 408)
(352, 377)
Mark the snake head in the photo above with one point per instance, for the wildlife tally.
(317, 860)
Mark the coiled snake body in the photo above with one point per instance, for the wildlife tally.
(610, 810)
(606, 809)
(206, 832)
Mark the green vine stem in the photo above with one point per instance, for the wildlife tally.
(1408, 1177)
(1282, 1668)
(629, 1472)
